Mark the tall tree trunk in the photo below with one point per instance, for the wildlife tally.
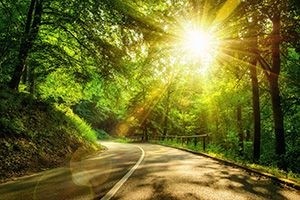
(166, 116)
(275, 93)
(240, 129)
(256, 110)
(253, 33)
(145, 131)
(255, 96)
(219, 136)
(32, 24)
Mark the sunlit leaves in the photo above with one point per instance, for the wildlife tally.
(227, 9)
(61, 87)
(126, 60)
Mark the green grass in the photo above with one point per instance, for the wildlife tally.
(84, 129)
(122, 139)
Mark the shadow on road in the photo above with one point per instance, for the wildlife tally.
(165, 174)
(172, 174)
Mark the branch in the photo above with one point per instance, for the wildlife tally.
(265, 65)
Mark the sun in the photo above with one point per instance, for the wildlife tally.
(197, 42)
(199, 46)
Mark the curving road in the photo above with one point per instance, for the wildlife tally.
(122, 172)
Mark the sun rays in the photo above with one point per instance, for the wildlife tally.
(197, 41)
(199, 46)
(200, 34)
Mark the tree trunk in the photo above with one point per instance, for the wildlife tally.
(33, 21)
(253, 33)
(275, 94)
(240, 129)
(256, 110)
(166, 116)
(255, 105)
(145, 133)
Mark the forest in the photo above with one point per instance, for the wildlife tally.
(226, 68)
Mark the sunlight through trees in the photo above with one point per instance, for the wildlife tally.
(228, 68)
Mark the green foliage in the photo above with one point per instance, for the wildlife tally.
(212, 148)
(231, 143)
(10, 121)
(122, 139)
(90, 112)
(118, 63)
(80, 125)
(14, 126)
(61, 87)
(293, 158)
(37, 135)
(248, 150)
(23, 115)
(102, 135)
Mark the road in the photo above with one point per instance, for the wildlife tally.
(163, 174)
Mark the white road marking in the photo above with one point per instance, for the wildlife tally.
(117, 186)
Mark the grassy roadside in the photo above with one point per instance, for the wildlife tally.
(37, 135)
(122, 140)
(264, 169)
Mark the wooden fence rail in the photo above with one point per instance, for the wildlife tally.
(184, 139)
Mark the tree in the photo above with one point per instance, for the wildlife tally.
(253, 33)
(274, 90)
(31, 31)
(272, 73)
(256, 110)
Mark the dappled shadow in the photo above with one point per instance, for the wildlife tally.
(164, 174)
(172, 174)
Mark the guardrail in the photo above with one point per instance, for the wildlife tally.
(195, 139)
(183, 139)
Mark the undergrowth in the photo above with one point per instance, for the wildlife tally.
(35, 135)
(102, 135)
(84, 129)
(122, 139)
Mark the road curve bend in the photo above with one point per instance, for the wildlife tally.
(162, 173)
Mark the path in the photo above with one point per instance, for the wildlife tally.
(164, 173)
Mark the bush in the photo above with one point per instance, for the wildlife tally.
(248, 151)
(84, 129)
(293, 158)
(102, 135)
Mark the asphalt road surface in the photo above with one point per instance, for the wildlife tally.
(145, 171)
